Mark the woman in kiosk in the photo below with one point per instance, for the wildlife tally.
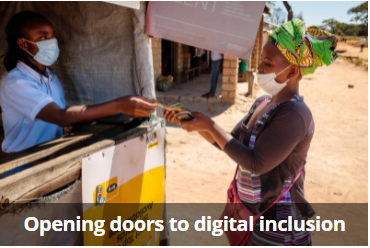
(271, 142)
(31, 96)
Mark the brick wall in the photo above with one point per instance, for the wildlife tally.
(187, 56)
(187, 60)
(229, 79)
(257, 48)
(179, 60)
(157, 57)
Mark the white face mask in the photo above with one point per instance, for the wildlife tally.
(48, 51)
(267, 82)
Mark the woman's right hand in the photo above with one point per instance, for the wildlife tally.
(171, 115)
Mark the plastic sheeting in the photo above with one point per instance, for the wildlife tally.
(97, 43)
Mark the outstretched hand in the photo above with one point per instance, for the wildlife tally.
(137, 106)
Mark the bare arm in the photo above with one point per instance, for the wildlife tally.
(134, 106)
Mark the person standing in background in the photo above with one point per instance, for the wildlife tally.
(215, 71)
(363, 41)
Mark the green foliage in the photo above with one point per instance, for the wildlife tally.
(360, 13)
(348, 29)
(331, 25)
(335, 27)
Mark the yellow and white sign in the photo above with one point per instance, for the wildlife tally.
(131, 174)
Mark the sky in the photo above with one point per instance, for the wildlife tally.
(315, 12)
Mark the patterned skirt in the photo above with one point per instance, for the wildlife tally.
(249, 192)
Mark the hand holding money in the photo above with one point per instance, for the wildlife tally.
(170, 112)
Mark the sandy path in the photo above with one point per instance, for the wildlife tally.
(337, 160)
(352, 51)
(337, 163)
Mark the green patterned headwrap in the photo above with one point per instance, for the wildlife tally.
(307, 48)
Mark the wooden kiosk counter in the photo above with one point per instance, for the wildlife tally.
(78, 174)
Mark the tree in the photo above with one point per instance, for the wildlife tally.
(268, 18)
(299, 16)
(270, 4)
(278, 16)
(349, 29)
(289, 9)
(360, 13)
(331, 24)
(323, 27)
(343, 28)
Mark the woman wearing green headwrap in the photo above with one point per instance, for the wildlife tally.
(271, 142)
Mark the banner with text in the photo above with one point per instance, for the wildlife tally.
(225, 27)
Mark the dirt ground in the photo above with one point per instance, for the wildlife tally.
(336, 170)
(337, 162)
(352, 51)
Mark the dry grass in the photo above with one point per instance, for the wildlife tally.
(354, 40)
(356, 61)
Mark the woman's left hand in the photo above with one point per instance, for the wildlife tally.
(201, 123)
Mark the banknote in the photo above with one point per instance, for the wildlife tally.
(177, 106)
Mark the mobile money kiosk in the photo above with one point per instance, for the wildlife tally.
(104, 55)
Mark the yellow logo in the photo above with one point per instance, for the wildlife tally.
(105, 191)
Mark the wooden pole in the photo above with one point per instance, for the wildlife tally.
(289, 9)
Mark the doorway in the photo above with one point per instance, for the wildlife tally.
(167, 58)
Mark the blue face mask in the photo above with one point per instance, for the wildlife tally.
(48, 51)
